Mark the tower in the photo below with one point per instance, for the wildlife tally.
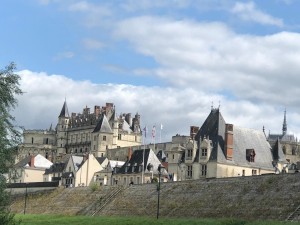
(61, 130)
(284, 126)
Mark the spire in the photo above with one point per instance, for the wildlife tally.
(284, 126)
(64, 111)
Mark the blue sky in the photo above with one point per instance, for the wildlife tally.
(166, 59)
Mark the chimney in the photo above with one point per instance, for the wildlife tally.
(193, 131)
(128, 119)
(97, 111)
(229, 141)
(129, 153)
(32, 161)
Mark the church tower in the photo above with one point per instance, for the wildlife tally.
(61, 130)
(284, 126)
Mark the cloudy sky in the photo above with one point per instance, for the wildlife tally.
(168, 60)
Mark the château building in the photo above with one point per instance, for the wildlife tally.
(288, 144)
(82, 133)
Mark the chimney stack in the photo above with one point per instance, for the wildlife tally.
(193, 131)
(229, 141)
(129, 153)
(32, 161)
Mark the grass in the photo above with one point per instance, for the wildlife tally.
(78, 220)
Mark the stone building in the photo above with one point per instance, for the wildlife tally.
(288, 145)
(81, 133)
(218, 149)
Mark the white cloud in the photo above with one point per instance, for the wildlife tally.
(249, 12)
(93, 14)
(212, 57)
(176, 108)
(64, 55)
(92, 44)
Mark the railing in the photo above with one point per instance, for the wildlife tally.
(291, 217)
(107, 199)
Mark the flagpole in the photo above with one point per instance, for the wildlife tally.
(145, 135)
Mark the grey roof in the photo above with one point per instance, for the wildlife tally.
(243, 138)
(23, 162)
(101, 159)
(64, 111)
(214, 129)
(77, 161)
(103, 125)
(137, 159)
(56, 168)
(126, 127)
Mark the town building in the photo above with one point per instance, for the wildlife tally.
(87, 132)
(288, 145)
(30, 169)
(218, 149)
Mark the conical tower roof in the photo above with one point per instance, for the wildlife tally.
(64, 111)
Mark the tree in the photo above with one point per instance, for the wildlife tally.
(9, 135)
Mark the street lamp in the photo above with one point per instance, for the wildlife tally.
(25, 199)
(160, 169)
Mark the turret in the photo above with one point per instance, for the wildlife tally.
(61, 129)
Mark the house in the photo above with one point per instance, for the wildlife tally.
(104, 177)
(80, 170)
(55, 172)
(141, 167)
(219, 149)
(30, 169)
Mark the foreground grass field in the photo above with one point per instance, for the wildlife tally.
(78, 220)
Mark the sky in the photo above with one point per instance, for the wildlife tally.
(168, 60)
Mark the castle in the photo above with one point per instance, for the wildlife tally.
(81, 133)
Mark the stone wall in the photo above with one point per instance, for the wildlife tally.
(258, 197)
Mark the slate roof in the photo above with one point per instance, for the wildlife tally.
(64, 111)
(243, 138)
(214, 129)
(56, 168)
(23, 162)
(133, 165)
(101, 159)
(103, 125)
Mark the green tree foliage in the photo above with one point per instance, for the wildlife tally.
(9, 135)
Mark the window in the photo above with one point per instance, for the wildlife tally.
(119, 136)
(189, 171)
(173, 156)
(243, 173)
(124, 180)
(204, 152)
(250, 155)
(104, 138)
(32, 140)
(203, 170)
(254, 172)
(102, 154)
(189, 153)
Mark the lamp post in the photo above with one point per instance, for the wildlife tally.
(25, 198)
(160, 169)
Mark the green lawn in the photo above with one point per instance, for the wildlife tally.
(78, 220)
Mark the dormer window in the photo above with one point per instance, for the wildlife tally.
(250, 155)
(189, 153)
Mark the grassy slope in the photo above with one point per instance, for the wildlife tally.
(78, 220)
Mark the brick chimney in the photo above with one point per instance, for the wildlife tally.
(229, 141)
(193, 131)
(32, 161)
(129, 153)
(97, 111)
